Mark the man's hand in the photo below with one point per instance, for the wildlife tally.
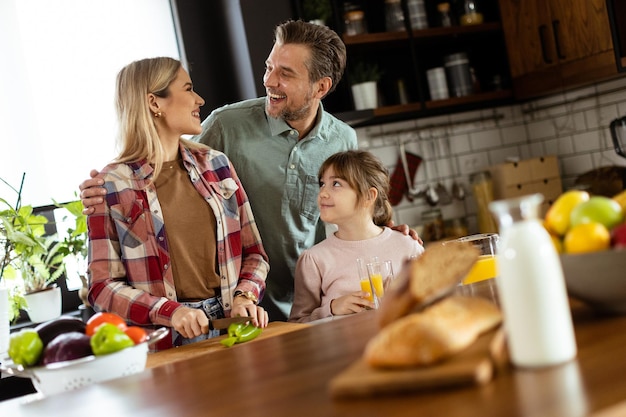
(405, 229)
(91, 192)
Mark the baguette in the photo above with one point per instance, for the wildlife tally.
(423, 281)
(430, 336)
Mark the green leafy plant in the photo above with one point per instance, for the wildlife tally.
(363, 71)
(317, 9)
(27, 249)
(75, 243)
(26, 252)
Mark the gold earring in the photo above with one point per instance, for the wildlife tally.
(158, 114)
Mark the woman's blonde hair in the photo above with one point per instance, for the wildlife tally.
(138, 138)
(362, 171)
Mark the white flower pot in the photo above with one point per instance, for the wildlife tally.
(365, 95)
(44, 305)
(5, 325)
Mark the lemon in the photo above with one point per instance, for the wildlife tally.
(557, 218)
(587, 237)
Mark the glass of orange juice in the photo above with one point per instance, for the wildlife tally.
(364, 279)
(380, 274)
(478, 281)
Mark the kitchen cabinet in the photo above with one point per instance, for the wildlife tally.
(404, 57)
(617, 17)
(556, 44)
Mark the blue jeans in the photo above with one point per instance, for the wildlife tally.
(213, 309)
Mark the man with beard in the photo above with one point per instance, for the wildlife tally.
(277, 144)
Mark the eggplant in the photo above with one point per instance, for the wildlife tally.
(49, 330)
(66, 347)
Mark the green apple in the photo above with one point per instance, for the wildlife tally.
(598, 209)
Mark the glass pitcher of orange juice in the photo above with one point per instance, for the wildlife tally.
(485, 266)
(480, 281)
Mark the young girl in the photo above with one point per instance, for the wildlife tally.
(353, 196)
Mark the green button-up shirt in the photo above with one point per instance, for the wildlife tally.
(279, 174)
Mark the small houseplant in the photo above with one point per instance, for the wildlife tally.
(364, 76)
(314, 10)
(27, 253)
(74, 246)
(363, 71)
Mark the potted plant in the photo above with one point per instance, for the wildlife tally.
(74, 249)
(317, 11)
(29, 254)
(363, 77)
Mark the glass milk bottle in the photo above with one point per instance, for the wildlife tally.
(531, 287)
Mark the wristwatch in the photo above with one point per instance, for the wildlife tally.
(247, 294)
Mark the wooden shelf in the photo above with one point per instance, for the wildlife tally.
(422, 34)
(398, 108)
(474, 98)
(406, 55)
(387, 114)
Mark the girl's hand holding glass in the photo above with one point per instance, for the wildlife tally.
(351, 303)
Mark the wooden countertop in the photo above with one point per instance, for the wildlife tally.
(289, 374)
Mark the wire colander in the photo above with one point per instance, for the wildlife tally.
(69, 375)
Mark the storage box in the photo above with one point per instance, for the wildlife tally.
(536, 175)
(544, 167)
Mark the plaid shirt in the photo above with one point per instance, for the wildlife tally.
(129, 263)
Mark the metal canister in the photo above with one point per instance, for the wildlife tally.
(394, 16)
(458, 74)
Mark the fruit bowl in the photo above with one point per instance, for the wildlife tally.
(598, 279)
(68, 375)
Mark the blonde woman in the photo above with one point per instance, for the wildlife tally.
(175, 243)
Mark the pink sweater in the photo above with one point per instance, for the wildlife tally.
(328, 270)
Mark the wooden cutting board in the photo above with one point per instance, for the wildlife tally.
(213, 345)
(475, 365)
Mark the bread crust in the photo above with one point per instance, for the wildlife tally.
(440, 331)
(427, 279)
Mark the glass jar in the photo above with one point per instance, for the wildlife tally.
(444, 14)
(482, 188)
(417, 14)
(355, 22)
(394, 16)
(433, 225)
(471, 15)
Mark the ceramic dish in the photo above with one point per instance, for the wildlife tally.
(598, 279)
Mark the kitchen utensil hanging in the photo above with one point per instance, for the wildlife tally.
(430, 193)
(457, 190)
(442, 191)
(412, 192)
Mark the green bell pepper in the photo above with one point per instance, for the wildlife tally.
(239, 333)
(109, 339)
(25, 347)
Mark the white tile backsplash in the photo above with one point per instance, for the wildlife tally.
(586, 142)
(572, 125)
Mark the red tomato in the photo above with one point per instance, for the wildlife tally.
(138, 334)
(100, 318)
